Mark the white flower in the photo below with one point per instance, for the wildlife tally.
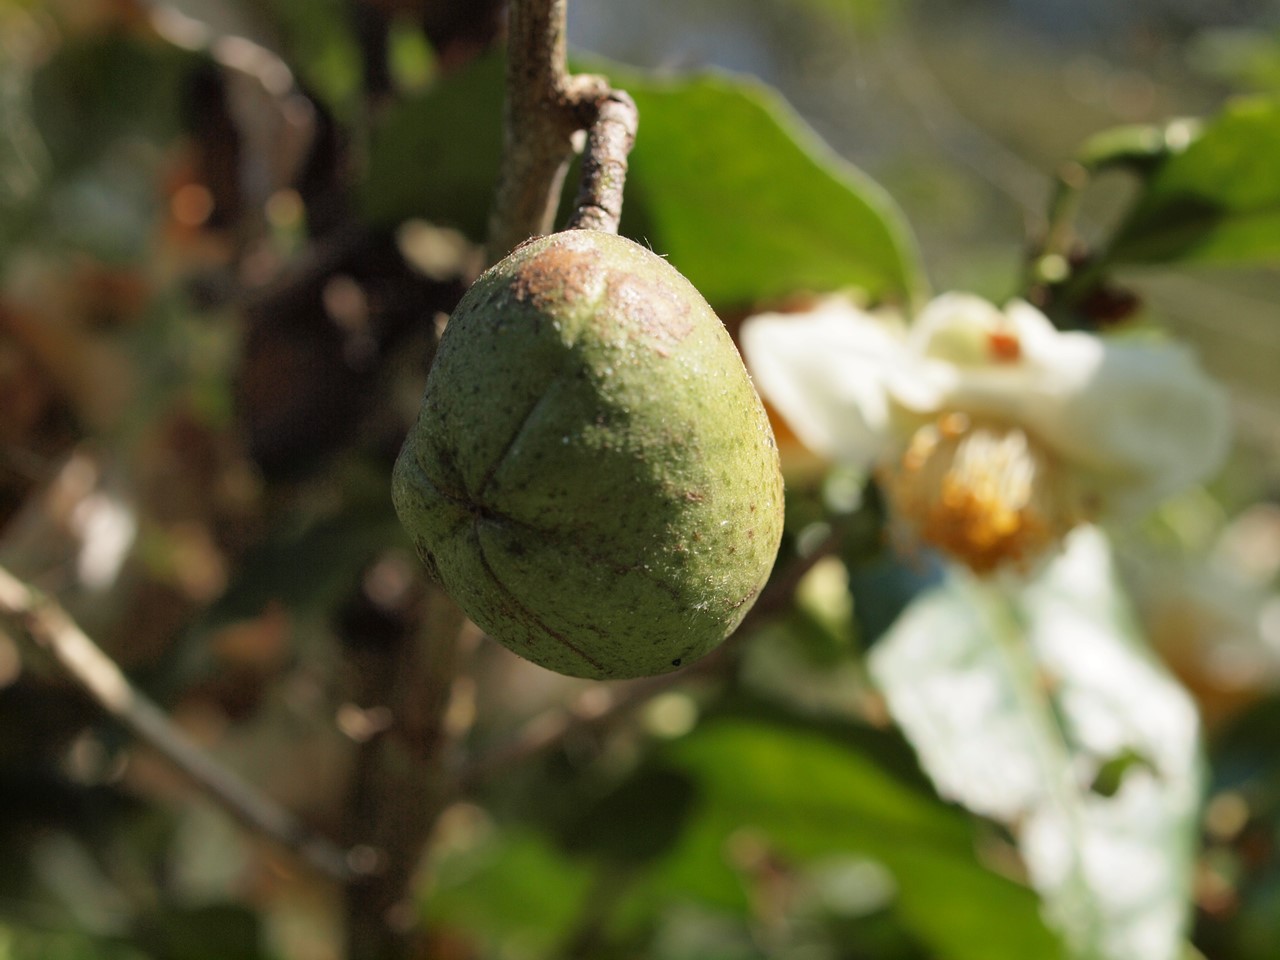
(992, 432)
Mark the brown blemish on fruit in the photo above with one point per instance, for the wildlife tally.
(651, 309)
(559, 274)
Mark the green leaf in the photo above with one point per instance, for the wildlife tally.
(79, 156)
(1217, 200)
(750, 204)
(23, 158)
(306, 570)
(636, 822)
(725, 180)
(22, 942)
(211, 932)
(99, 91)
(1246, 57)
(1021, 705)
(318, 38)
(883, 586)
(808, 797)
(515, 890)
(436, 155)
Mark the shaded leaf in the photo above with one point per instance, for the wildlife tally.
(318, 42)
(211, 932)
(97, 108)
(810, 798)
(637, 821)
(99, 90)
(1217, 200)
(23, 159)
(1019, 704)
(885, 585)
(436, 155)
(305, 570)
(1246, 57)
(21, 942)
(515, 890)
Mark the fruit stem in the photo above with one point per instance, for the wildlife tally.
(604, 165)
(545, 107)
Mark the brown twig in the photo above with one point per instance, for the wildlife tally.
(594, 714)
(604, 165)
(45, 622)
(545, 107)
(402, 780)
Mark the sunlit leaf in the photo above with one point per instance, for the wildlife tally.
(724, 180)
(750, 204)
(1217, 200)
(1018, 702)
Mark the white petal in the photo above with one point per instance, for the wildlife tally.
(954, 335)
(824, 371)
(956, 327)
(1037, 336)
(1138, 418)
(1146, 419)
(957, 370)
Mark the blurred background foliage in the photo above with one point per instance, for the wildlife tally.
(230, 233)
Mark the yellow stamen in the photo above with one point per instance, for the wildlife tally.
(987, 494)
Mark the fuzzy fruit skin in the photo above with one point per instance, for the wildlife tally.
(592, 476)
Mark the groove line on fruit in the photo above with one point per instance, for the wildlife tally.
(510, 445)
(525, 611)
(482, 512)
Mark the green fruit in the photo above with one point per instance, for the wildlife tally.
(592, 476)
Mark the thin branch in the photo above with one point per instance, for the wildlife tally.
(548, 730)
(401, 784)
(544, 107)
(84, 661)
(604, 165)
(538, 125)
